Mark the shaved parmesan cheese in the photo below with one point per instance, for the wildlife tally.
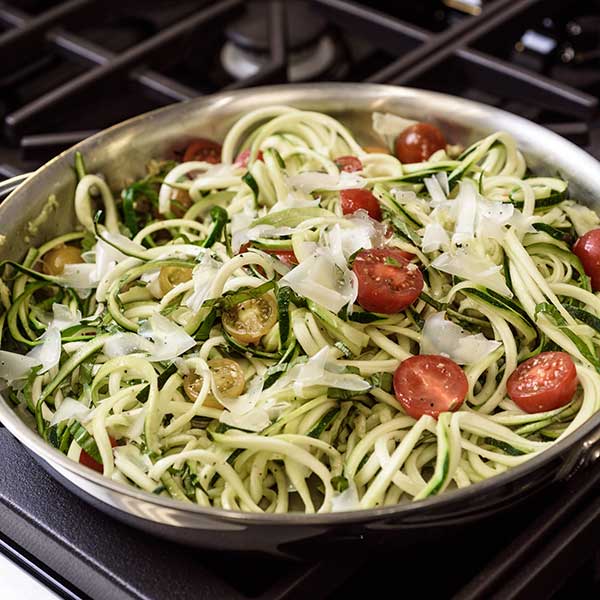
(269, 231)
(359, 232)
(492, 218)
(15, 366)
(123, 344)
(70, 409)
(48, 352)
(177, 250)
(322, 369)
(295, 199)
(472, 216)
(255, 420)
(243, 411)
(442, 178)
(346, 500)
(132, 454)
(108, 257)
(480, 270)
(322, 280)
(310, 181)
(434, 238)
(240, 222)
(151, 278)
(434, 189)
(64, 317)
(80, 276)
(169, 339)
(203, 276)
(389, 126)
(440, 336)
(465, 207)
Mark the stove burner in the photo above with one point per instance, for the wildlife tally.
(312, 52)
(303, 65)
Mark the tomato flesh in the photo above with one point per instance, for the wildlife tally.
(353, 200)
(418, 142)
(86, 460)
(349, 164)
(203, 150)
(543, 382)
(387, 282)
(430, 384)
(242, 159)
(587, 249)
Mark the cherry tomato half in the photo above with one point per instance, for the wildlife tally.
(249, 320)
(387, 282)
(203, 150)
(241, 160)
(228, 376)
(429, 384)
(350, 164)
(287, 257)
(587, 249)
(54, 261)
(86, 460)
(418, 142)
(353, 200)
(543, 382)
(169, 277)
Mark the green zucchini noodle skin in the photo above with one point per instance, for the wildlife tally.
(287, 439)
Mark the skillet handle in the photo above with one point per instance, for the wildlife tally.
(583, 457)
(10, 185)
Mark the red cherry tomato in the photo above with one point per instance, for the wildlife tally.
(429, 384)
(587, 249)
(86, 460)
(543, 382)
(353, 200)
(418, 142)
(243, 157)
(203, 150)
(387, 282)
(350, 164)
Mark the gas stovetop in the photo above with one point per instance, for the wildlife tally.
(70, 68)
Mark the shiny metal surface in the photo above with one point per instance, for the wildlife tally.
(121, 153)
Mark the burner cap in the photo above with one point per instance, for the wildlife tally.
(251, 30)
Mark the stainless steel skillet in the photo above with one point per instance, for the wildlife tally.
(121, 153)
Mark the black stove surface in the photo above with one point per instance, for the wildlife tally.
(68, 68)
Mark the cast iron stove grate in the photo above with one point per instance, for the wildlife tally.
(70, 68)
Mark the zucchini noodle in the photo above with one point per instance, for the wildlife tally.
(183, 350)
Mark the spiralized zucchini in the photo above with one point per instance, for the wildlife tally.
(180, 348)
